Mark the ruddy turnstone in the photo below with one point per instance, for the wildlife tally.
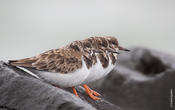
(77, 63)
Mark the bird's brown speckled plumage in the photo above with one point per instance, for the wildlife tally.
(77, 63)
(58, 60)
(69, 58)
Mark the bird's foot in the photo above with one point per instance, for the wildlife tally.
(92, 94)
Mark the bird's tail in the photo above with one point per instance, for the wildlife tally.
(27, 62)
(25, 65)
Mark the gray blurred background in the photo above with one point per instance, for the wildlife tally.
(29, 27)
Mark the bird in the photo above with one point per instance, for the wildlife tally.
(75, 64)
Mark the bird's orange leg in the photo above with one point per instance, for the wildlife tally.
(74, 90)
(91, 92)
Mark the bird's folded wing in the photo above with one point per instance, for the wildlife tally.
(53, 61)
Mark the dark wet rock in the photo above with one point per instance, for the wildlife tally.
(144, 79)
(21, 91)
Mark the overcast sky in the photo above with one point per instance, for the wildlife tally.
(28, 27)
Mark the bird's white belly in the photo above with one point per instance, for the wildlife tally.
(97, 71)
(64, 80)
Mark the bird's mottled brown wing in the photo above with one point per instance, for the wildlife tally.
(58, 60)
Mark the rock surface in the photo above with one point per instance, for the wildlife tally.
(21, 91)
(144, 79)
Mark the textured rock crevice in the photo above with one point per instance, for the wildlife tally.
(6, 108)
(150, 64)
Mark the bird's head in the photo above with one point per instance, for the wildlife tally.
(109, 43)
(114, 45)
(98, 45)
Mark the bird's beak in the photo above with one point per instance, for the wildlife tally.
(113, 51)
(124, 49)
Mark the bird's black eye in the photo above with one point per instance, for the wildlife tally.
(113, 42)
